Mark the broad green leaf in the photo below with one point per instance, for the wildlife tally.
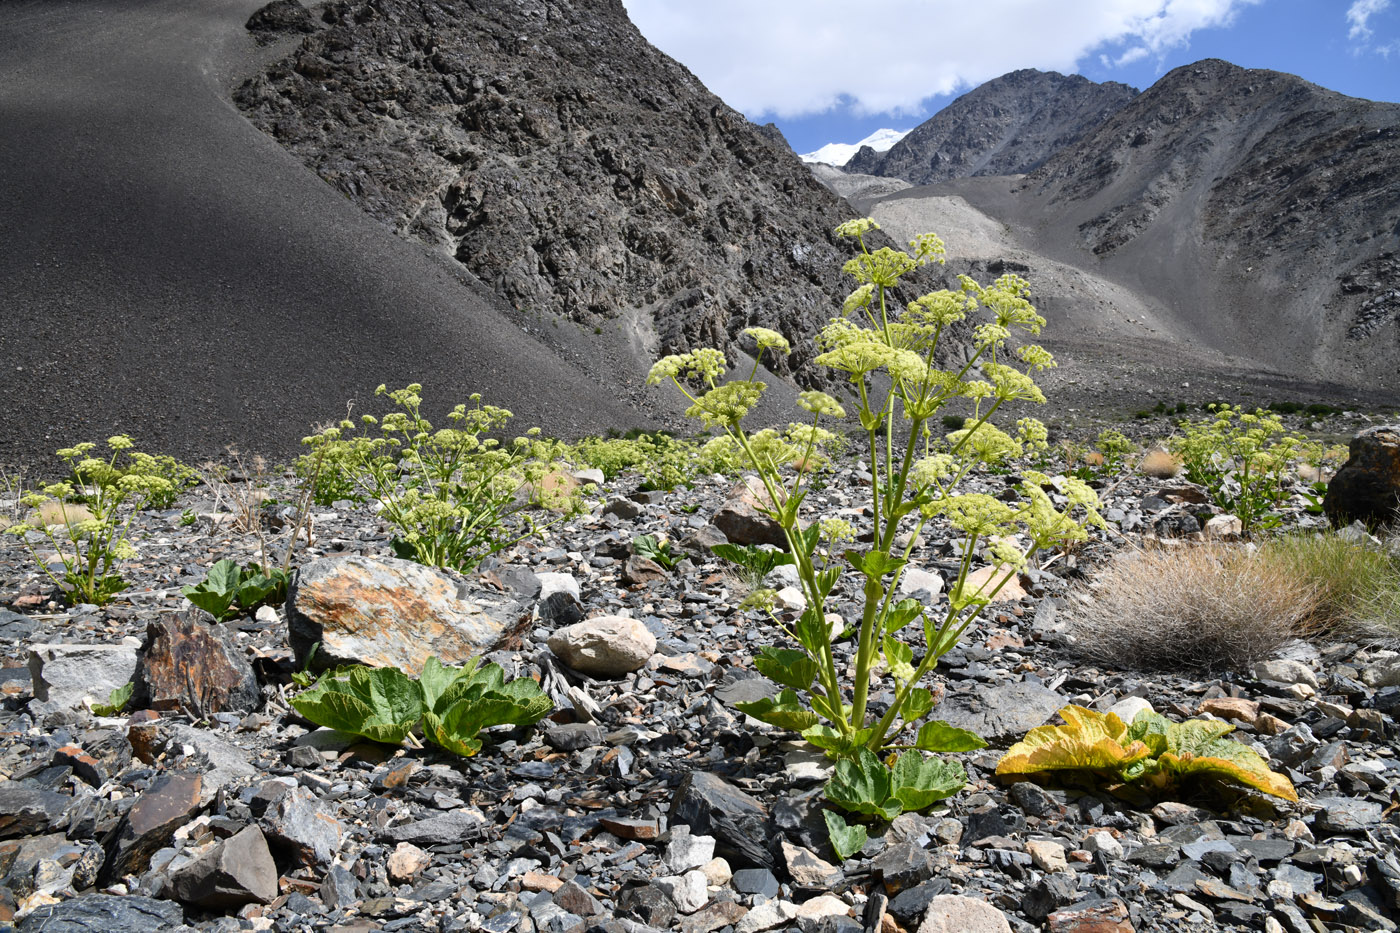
(437, 678)
(224, 576)
(784, 711)
(823, 707)
(1090, 740)
(483, 701)
(217, 604)
(846, 840)
(829, 739)
(904, 612)
(920, 782)
(918, 703)
(436, 732)
(1233, 761)
(116, 700)
(253, 590)
(873, 564)
(813, 632)
(786, 666)
(899, 658)
(381, 704)
(938, 736)
(862, 785)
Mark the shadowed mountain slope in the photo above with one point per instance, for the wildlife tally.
(565, 162)
(1007, 126)
(168, 271)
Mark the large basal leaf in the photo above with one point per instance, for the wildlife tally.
(939, 736)
(1089, 740)
(437, 678)
(381, 704)
(437, 733)
(784, 711)
(1231, 761)
(846, 840)
(223, 576)
(786, 666)
(919, 782)
(833, 742)
(862, 785)
(217, 604)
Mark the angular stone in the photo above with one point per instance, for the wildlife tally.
(187, 664)
(951, 913)
(236, 871)
(718, 914)
(987, 579)
(1127, 709)
(999, 713)
(65, 675)
(1223, 528)
(910, 905)
(1049, 894)
(807, 870)
(1095, 916)
(1286, 671)
(1345, 814)
(903, 865)
(558, 601)
(689, 892)
(686, 851)
(405, 862)
(456, 826)
(573, 736)
(171, 800)
(756, 881)
(640, 570)
(1047, 855)
(29, 811)
(300, 830)
(1367, 487)
(740, 519)
(920, 583)
(1231, 708)
(576, 900)
(223, 763)
(649, 904)
(104, 913)
(766, 916)
(711, 806)
(623, 507)
(641, 830)
(390, 613)
(604, 646)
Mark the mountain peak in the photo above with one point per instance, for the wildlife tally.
(839, 154)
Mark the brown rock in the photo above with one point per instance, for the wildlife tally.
(171, 800)
(187, 664)
(1098, 916)
(84, 765)
(807, 870)
(718, 914)
(640, 830)
(144, 733)
(1367, 487)
(390, 613)
(1245, 711)
(642, 570)
(539, 881)
(742, 521)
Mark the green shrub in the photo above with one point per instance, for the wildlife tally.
(916, 479)
(451, 493)
(230, 590)
(1357, 585)
(1115, 448)
(93, 509)
(954, 422)
(1243, 460)
(753, 564)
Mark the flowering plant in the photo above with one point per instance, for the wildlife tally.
(1243, 459)
(914, 482)
(81, 516)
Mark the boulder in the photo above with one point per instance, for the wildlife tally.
(740, 519)
(301, 830)
(1367, 487)
(65, 675)
(105, 913)
(604, 646)
(237, 871)
(187, 664)
(26, 810)
(390, 613)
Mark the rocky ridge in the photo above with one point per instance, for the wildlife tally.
(564, 161)
(1007, 126)
(647, 802)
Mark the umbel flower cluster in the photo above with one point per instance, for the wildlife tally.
(890, 357)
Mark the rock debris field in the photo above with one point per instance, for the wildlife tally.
(646, 801)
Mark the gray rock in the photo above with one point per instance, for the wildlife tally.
(28, 811)
(236, 871)
(686, 851)
(755, 881)
(150, 823)
(65, 675)
(573, 736)
(950, 913)
(920, 583)
(1285, 671)
(224, 764)
(1049, 894)
(558, 601)
(622, 507)
(1001, 713)
(15, 627)
(104, 913)
(390, 613)
(742, 522)
(453, 827)
(903, 865)
(1345, 814)
(604, 646)
(711, 806)
(910, 905)
(301, 829)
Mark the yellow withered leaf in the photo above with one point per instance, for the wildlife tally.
(1089, 741)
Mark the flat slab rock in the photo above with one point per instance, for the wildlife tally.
(104, 913)
(1002, 713)
(390, 613)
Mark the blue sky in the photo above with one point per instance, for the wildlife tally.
(835, 71)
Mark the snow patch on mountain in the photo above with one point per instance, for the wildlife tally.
(840, 153)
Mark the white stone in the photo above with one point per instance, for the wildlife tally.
(689, 891)
(1047, 855)
(1128, 708)
(1103, 841)
(825, 905)
(949, 913)
(920, 584)
(65, 675)
(717, 872)
(766, 916)
(551, 583)
(1284, 671)
(604, 646)
(686, 851)
(1224, 528)
(790, 597)
(591, 475)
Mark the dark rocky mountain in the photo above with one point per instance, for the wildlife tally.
(1007, 126)
(564, 161)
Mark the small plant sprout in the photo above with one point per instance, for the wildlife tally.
(881, 768)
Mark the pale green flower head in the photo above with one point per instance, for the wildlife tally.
(1032, 434)
(725, 406)
(1012, 384)
(858, 357)
(838, 332)
(1005, 552)
(930, 470)
(882, 267)
(856, 228)
(927, 247)
(706, 363)
(978, 514)
(119, 442)
(988, 335)
(990, 443)
(77, 450)
(908, 367)
(768, 339)
(941, 308)
(1036, 357)
(819, 403)
(770, 447)
(837, 530)
(860, 298)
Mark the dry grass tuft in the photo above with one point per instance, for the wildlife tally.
(1200, 609)
(1159, 464)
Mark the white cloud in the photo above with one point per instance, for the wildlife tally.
(788, 58)
(1359, 13)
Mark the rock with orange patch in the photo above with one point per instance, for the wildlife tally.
(390, 613)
